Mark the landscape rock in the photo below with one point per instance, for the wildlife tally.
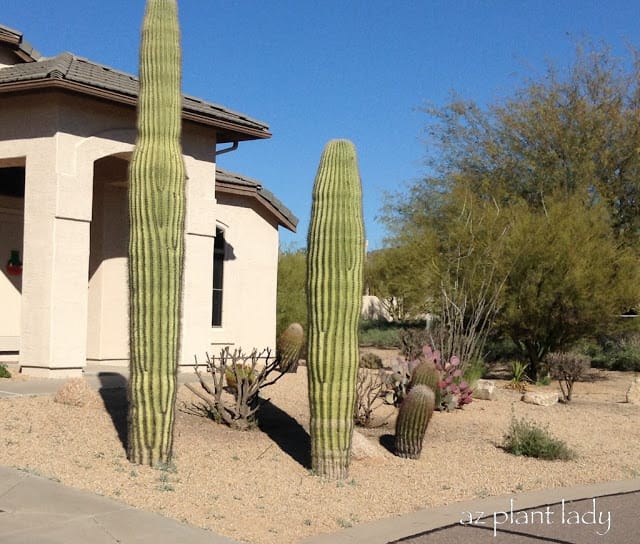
(485, 390)
(633, 393)
(76, 392)
(363, 448)
(541, 398)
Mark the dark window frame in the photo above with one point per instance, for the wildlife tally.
(217, 286)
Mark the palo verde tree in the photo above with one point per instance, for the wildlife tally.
(568, 277)
(335, 261)
(561, 155)
(156, 240)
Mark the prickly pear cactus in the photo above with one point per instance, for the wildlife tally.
(335, 258)
(413, 418)
(289, 346)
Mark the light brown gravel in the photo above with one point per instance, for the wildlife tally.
(253, 488)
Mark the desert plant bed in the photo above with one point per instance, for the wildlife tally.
(255, 486)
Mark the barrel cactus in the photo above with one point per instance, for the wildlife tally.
(336, 248)
(156, 240)
(413, 418)
(427, 374)
(289, 346)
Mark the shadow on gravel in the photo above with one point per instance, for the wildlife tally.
(286, 432)
(113, 390)
(388, 442)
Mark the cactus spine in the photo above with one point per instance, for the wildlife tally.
(289, 346)
(413, 418)
(336, 247)
(156, 239)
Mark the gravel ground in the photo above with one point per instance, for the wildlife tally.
(256, 487)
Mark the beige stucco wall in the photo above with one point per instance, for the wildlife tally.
(59, 137)
(250, 275)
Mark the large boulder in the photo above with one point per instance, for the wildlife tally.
(541, 398)
(485, 390)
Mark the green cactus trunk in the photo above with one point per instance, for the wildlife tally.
(336, 248)
(413, 418)
(156, 239)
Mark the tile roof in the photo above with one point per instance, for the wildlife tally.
(23, 49)
(252, 187)
(67, 67)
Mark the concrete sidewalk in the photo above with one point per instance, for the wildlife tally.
(34, 510)
(97, 376)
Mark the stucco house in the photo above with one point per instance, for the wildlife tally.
(67, 130)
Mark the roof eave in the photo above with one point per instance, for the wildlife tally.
(229, 131)
(254, 192)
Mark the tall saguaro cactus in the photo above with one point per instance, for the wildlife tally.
(156, 239)
(336, 247)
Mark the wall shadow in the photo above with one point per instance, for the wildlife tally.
(286, 432)
(113, 390)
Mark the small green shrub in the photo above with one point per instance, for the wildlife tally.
(4, 371)
(474, 371)
(370, 360)
(380, 334)
(519, 372)
(525, 438)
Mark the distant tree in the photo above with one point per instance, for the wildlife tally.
(536, 197)
(570, 132)
(568, 277)
(291, 304)
(396, 276)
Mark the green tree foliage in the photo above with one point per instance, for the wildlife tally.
(156, 242)
(568, 277)
(535, 198)
(567, 132)
(292, 302)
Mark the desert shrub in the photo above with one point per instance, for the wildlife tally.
(233, 396)
(380, 334)
(613, 352)
(412, 342)
(370, 390)
(567, 368)
(519, 378)
(525, 438)
(370, 360)
(474, 371)
(4, 371)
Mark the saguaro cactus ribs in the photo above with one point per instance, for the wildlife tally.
(334, 297)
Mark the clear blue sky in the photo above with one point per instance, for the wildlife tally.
(357, 69)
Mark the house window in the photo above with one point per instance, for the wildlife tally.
(218, 275)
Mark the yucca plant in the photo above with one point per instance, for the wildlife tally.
(156, 240)
(335, 260)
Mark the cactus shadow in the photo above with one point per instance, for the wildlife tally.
(388, 442)
(113, 390)
(286, 432)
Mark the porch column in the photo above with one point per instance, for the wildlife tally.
(57, 219)
(200, 229)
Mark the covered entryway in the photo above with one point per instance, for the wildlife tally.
(12, 174)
